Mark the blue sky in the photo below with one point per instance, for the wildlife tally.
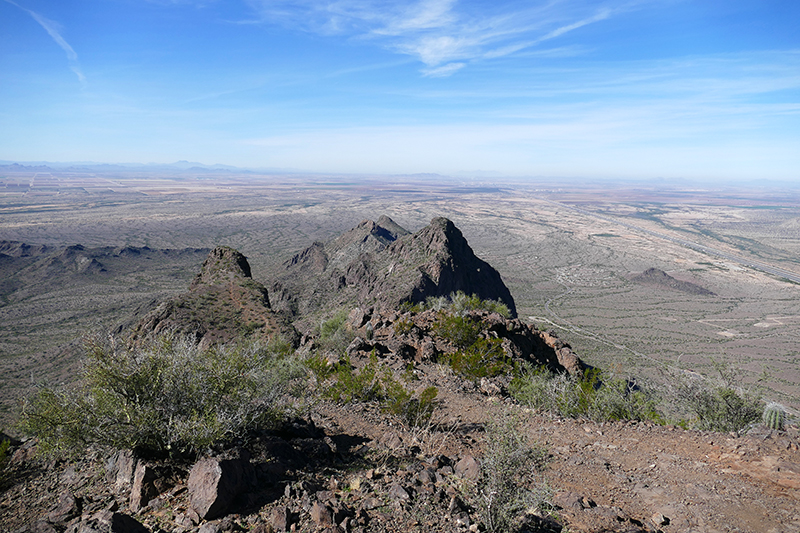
(624, 88)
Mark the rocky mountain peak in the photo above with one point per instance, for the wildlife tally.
(223, 264)
(448, 264)
(382, 264)
(222, 303)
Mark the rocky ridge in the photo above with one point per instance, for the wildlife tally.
(380, 264)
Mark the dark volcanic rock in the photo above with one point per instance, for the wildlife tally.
(215, 482)
(412, 336)
(654, 276)
(380, 264)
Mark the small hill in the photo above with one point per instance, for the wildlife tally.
(223, 303)
(380, 264)
(659, 278)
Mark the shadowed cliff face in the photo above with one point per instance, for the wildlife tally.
(223, 302)
(380, 264)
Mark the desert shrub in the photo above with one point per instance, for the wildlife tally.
(415, 412)
(510, 482)
(592, 396)
(375, 382)
(460, 331)
(463, 303)
(412, 307)
(334, 335)
(403, 326)
(353, 385)
(716, 404)
(719, 408)
(484, 358)
(460, 303)
(319, 367)
(168, 397)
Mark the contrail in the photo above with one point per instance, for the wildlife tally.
(51, 28)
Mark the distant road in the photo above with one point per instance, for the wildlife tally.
(757, 265)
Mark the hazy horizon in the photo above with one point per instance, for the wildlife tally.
(622, 89)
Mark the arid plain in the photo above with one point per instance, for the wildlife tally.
(569, 254)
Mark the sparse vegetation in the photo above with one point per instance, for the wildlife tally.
(374, 382)
(593, 396)
(459, 331)
(458, 303)
(509, 483)
(334, 335)
(168, 397)
(475, 356)
(484, 358)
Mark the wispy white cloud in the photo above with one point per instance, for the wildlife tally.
(54, 30)
(440, 32)
(724, 115)
(443, 71)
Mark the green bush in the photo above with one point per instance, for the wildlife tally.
(722, 408)
(334, 335)
(509, 483)
(457, 303)
(168, 397)
(352, 385)
(463, 303)
(374, 382)
(485, 358)
(593, 396)
(460, 331)
(717, 405)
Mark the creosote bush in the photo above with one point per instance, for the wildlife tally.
(593, 396)
(167, 397)
(476, 357)
(334, 335)
(510, 483)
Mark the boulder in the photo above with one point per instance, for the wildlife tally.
(215, 482)
(144, 486)
(468, 467)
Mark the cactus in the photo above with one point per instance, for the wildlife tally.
(774, 416)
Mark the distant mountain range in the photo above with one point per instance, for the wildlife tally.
(90, 166)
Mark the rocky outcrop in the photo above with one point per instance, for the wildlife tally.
(413, 336)
(223, 303)
(380, 264)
